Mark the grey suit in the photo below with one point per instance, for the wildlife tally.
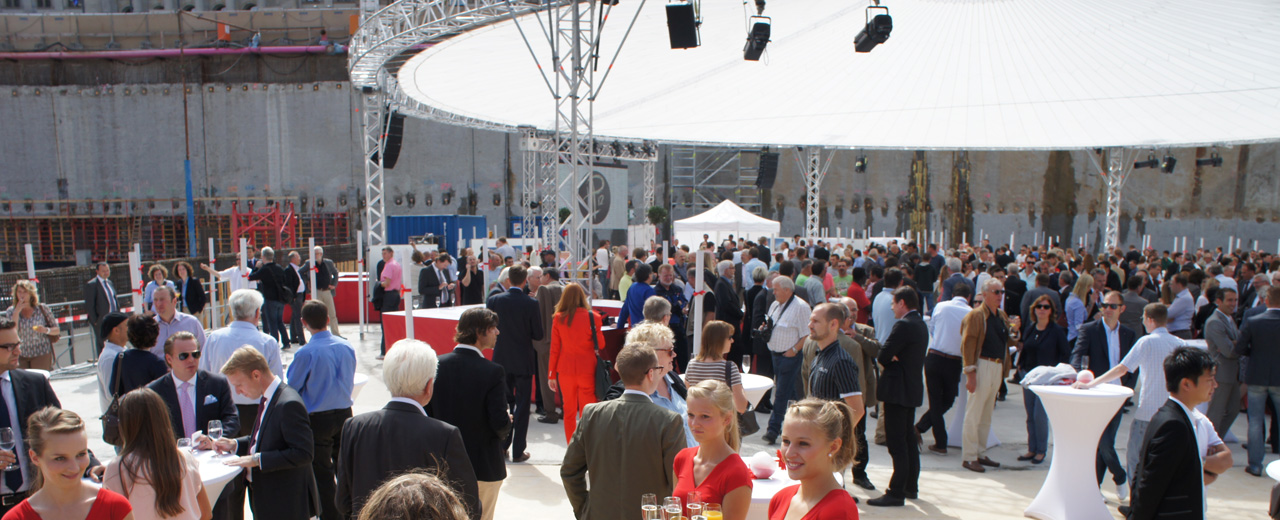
(628, 447)
(1220, 333)
(1257, 340)
(1133, 305)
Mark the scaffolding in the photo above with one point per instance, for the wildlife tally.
(702, 177)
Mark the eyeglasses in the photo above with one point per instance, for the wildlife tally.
(182, 356)
(11, 346)
(657, 368)
(1110, 305)
(1047, 307)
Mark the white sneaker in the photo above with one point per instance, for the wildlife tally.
(1122, 492)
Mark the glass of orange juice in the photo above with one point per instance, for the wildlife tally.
(712, 512)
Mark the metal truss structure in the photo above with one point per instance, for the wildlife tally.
(373, 135)
(701, 177)
(814, 172)
(1119, 166)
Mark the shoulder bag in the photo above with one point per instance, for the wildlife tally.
(747, 424)
(111, 419)
(603, 382)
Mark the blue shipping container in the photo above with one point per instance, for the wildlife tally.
(452, 227)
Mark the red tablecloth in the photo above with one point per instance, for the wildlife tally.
(347, 297)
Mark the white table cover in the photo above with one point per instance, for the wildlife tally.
(1077, 418)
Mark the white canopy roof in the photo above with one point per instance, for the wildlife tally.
(955, 74)
(723, 220)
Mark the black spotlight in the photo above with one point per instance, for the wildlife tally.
(1151, 162)
(682, 25)
(1168, 163)
(1213, 160)
(876, 32)
(860, 165)
(757, 39)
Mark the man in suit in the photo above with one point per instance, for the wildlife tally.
(435, 284)
(1169, 480)
(1105, 342)
(548, 296)
(520, 325)
(326, 283)
(296, 281)
(729, 309)
(1257, 340)
(401, 437)
(195, 397)
(1220, 334)
(270, 277)
(471, 393)
(1014, 288)
(277, 452)
(99, 300)
(901, 391)
(1257, 289)
(651, 434)
(1042, 287)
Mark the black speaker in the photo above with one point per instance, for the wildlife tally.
(768, 171)
(391, 145)
(682, 25)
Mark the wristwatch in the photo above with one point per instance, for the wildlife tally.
(257, 459)
(971, 369)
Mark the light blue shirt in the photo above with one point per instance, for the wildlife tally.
(222, 342)
(882, 314)
(1147, 358)
(944, 327)
(323, 372)
(1075, 316)
(677, 405)
(747, 269)
(1181, 311)
(181, 322)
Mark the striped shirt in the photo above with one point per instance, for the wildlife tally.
(834, 375)
(1147, 357)
(699, 371)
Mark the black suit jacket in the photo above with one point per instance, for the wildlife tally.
(283, 485)
(32, 393)
(429, 286)
(519, 325)
(1257, 340)
(471, 394)
(294, 279)
(1092, 342)
(728, 305)
(1166, 483)
(96, 302)
(394, 440)
(193, 296)
(270, 278)
(208, 385)
(902, 380)
(1014, 288)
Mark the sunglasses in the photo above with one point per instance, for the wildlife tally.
(183, 356)
(997, 291)
(1110, 305)
(11, 346)
(657, 368)
(1049, 307)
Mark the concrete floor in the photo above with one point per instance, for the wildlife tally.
(533, 489)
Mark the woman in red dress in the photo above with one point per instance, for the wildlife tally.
(817, 440)
(713, 467)
(58, 446)
(571, 369)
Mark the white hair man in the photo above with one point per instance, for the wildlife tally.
(374, 444)
(986, 333)
(326, 284)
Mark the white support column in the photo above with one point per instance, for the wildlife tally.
(135, 280)
(311, 250)
(214, 322)
(361, 299)
(814, 172)
(529, 185)
(374, 126)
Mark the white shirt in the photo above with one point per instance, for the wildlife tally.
(302, 276)
(416, 406)
(944, 327)
(637, 392)
(19, 447)
(1147, 357)
(1225, 282)
(1113, 346)
(602, 259)
(237, 279)
(788, 326)
(106, 363)
(271, 392)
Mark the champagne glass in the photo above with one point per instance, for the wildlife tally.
(693, 503)
(672, 509)
(649, 507)
(7, 444)
(215, 429)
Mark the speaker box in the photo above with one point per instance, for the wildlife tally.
(682, 25)
(395, 135)
(768, 171)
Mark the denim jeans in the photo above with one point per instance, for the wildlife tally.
(273, 321)
(1258, 396)
(785, 372)
(1037, 423)
(1107, 458)
(926, 302)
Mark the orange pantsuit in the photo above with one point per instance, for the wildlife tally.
(573, 363)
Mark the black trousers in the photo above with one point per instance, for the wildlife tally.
(521, 388)
(326, 427)
(681, 345)
(390, 303)
(230, 505)
(902, 449)
(296, 333)
(862, 458)
(942, 381)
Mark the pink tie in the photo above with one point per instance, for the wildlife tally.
(188, 410)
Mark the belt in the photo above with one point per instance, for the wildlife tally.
(943, 354)
(13, 499)
(993, 360)
(331, 412)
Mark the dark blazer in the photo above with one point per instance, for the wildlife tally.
(471, 394)
(394, 440)
(208, 385)
(1166, 483)
(429, 286)
(32, 393)
(1246, 297)
(677, 384)
(283, 485)
(1014, 288)
(1257, 340)
(293, 279)
(270, 278)
(1092, 342)
(902, 380)
(519, 325)
(1253, 311)
(728, 305)
(96, 302)
(137, 368)
(193, 296)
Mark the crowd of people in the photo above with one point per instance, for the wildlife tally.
(845, 334)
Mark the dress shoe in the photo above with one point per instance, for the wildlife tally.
(1124, 510)
(521, 458)
(988, 462)
(973, 466)
(769, 438)
(1257, 472)
(1038, 460)
(886, 501)
(864, 483)
(911, 496)
(940, 450)
(549, 419)
(1027, 457)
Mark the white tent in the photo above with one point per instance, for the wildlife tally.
(723, 220)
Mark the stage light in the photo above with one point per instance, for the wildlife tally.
(860, 165)
(682, 25)
(1168, 163)
(1151, 162)
(1213, 160)
(876, 32)
(757, 39)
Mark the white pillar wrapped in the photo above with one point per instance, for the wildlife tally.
(135, 280)
(698, 286)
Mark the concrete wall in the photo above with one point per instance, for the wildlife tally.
(301, 140)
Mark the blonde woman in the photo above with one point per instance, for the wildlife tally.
(712, 467)
(1078, 305)
(817, 441)
(36, 327)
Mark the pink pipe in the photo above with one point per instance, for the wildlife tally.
(161, 53)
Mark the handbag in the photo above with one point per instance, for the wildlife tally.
(747, 424)
(111, 419)
(603, 382)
